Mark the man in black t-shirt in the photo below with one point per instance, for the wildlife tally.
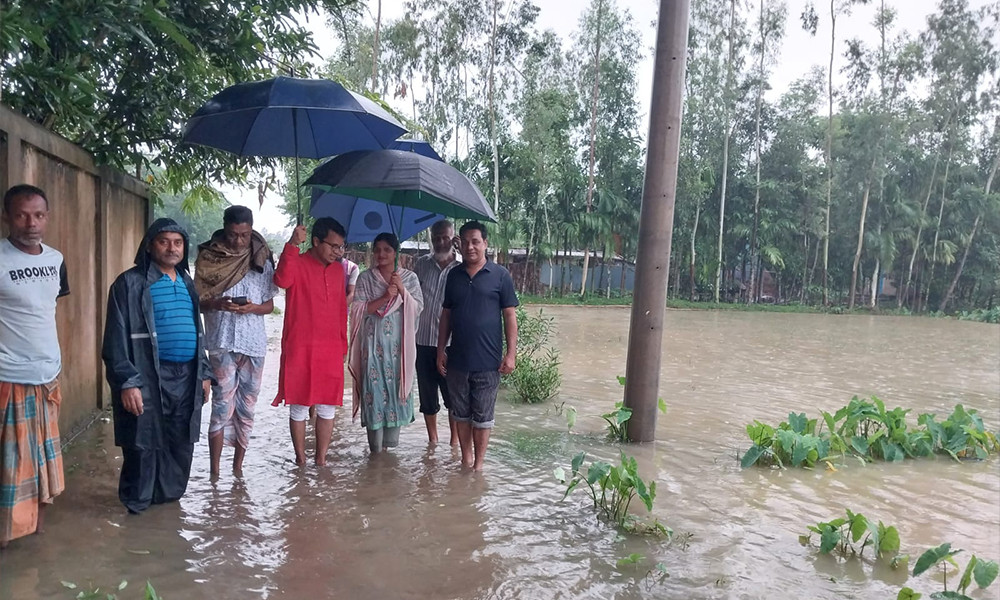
(477, 294)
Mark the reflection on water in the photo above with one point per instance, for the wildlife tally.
(410, 524)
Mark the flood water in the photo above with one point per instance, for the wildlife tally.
(412, 524)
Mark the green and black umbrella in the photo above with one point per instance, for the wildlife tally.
(407, 179)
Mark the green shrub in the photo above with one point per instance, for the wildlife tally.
(536, 376)
(982, 315)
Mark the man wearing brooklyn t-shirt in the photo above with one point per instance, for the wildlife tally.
(32, 276)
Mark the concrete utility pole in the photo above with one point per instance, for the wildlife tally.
(656, 221)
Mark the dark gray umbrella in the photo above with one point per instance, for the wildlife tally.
(401, 178)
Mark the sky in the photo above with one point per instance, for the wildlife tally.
(799, 53)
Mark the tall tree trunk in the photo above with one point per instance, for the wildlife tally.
(694, 253)
(493, 113)
(465, 99)
(829, 155)
(677, 273)
(375, 49)
(861, 229)
(725, 148)
(527, 255)
(593, 142)
(548, 239)
(972, 237)
(805, 268)
(812, 270)
(413, 99)
(937, 233)
(875, 282)
(754, 251)
(920, 231)
(621, 284)
(562, 267)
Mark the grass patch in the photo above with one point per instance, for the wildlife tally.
(576, 300)
(792, 307)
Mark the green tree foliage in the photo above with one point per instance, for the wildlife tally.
(878, 175)
(120, 77)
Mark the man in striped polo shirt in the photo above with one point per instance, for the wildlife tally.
(157, 367)
(432, 272)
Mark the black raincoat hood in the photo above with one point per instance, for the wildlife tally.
(143, 257)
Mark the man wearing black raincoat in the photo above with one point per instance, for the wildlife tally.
(157, 368)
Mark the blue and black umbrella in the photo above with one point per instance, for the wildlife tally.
(291, 117)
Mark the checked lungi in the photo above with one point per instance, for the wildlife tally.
(31, 467)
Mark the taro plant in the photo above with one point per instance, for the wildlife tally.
(793, 443)
(612, 489)
(983, 572)
(853, 534)
(961, 435)
(95, 593)
(617, 418)
(868, 431)
(872, 432)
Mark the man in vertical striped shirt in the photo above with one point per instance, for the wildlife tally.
(432, 271)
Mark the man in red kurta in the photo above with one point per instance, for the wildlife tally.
(314, 339)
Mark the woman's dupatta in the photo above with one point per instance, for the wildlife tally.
(372, 286)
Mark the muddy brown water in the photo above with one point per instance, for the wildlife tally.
(412, 524)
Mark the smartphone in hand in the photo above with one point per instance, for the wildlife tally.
(239, 300)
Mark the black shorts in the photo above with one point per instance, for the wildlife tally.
(474, 397)
(429, 381)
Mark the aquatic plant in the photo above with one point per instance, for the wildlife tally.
(868, 431)
(617, 418)
(982, 315)
(536, 378)
(95, 593)
(612, 489)
(792, 443)
(983, 572)
(961, 435)
(844, 534)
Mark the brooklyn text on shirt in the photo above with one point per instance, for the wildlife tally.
(33, 274)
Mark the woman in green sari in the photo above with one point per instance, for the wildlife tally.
(387, 302)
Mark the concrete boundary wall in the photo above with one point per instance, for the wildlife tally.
(97, 219)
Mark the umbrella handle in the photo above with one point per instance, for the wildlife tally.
(298, 187)
(399, 233)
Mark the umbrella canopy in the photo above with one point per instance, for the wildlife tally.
(405, 179)
(364, 219)
(291, 117)
(419, 146)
